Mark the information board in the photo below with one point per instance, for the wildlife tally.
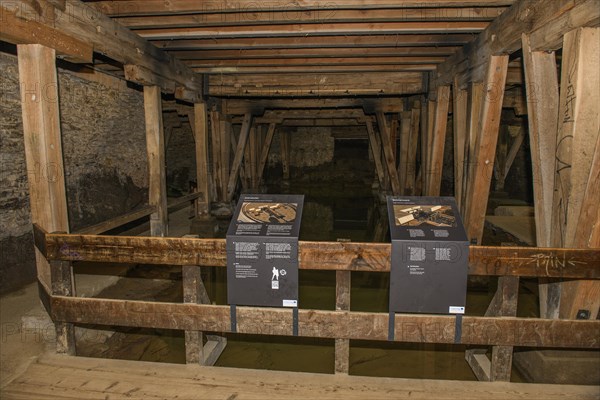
(262, 251)
(430, 256)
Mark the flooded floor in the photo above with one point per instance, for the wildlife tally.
(348, 214)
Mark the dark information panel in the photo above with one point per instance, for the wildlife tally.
(262, 251)
(430, 255)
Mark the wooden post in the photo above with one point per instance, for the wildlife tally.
(411, 168)
(428, 142)
(390, 162)
(285, 153)
(342, 303)
(474, 109)
(200, 130)
(215, 125)
(376, 150)
(459, 119)
(155, 146)
(439, 140)
(578, 130)
(226, 132)
(485, 147)
(253, 156)
(264, 154)
(45, 170)
(403, 165)
(239, 154)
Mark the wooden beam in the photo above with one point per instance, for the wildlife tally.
(217, 162)
(578, 129)
(252, 152)
(295, 29)
(106, 37)
(386, 144)
(541, 78)
(427, 146)
(436, 162)
(476, 92)
(155, 146)
(338, 256)
(484, 331)
(145, 7)
(199, 121)
(116, 222)
(544, 22)
(485, 148)
(342, 303)
(460, 99)
(411, 162)
(225, 131)
(403, 162)
(284, 144)
(145, 77)
(38, 82)
(375, 147)
(264, 154)
(239, 154)
(19, 31)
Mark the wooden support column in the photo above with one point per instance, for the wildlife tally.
(376, 151)
(439, 140)
(285, 153)
(239, 154)
(428, 145)
(390, 162)
(215, 135)
(578, 130)
(264, 154)
(474, 109)
(460, 132)
(155, 146)
(485, 147)
(403, 164)
(45, 171)
(199, 124)
(342, 303)
(253, 155)
(226, 132)
(413, 142)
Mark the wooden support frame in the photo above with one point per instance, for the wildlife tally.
(436, 160)
(413, 142)
(155, 145)
(476, 92)
(217, 161)
(485, 148)
(390, 162)
(252, 152)
(239, 154)
(45, 170)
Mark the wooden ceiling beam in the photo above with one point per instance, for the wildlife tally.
(312, 61)
(315, 42)
(335, 68)
(356, 28)
(265, 80)
(257, 106)
(545, 22)
(311, 53)
(292, 16)
(161, 7)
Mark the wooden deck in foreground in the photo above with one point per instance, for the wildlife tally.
(64, 377)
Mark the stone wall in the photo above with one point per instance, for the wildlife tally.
(104, 155)
(180, 153)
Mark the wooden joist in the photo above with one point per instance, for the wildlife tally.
(373, 257)
(117, 221)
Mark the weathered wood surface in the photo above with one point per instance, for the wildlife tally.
(342, 303)
(375, 146)
(54, 376)
(339, 256)
(239, 154)
(436, 160)
(199, 124)
(117, 221)
(386, 144)
(485, 331)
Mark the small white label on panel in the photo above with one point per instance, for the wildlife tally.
(456, 310)
(290, 303)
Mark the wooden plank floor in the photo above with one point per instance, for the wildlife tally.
(63, 377)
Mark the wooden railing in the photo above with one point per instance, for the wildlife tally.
(499, 328)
